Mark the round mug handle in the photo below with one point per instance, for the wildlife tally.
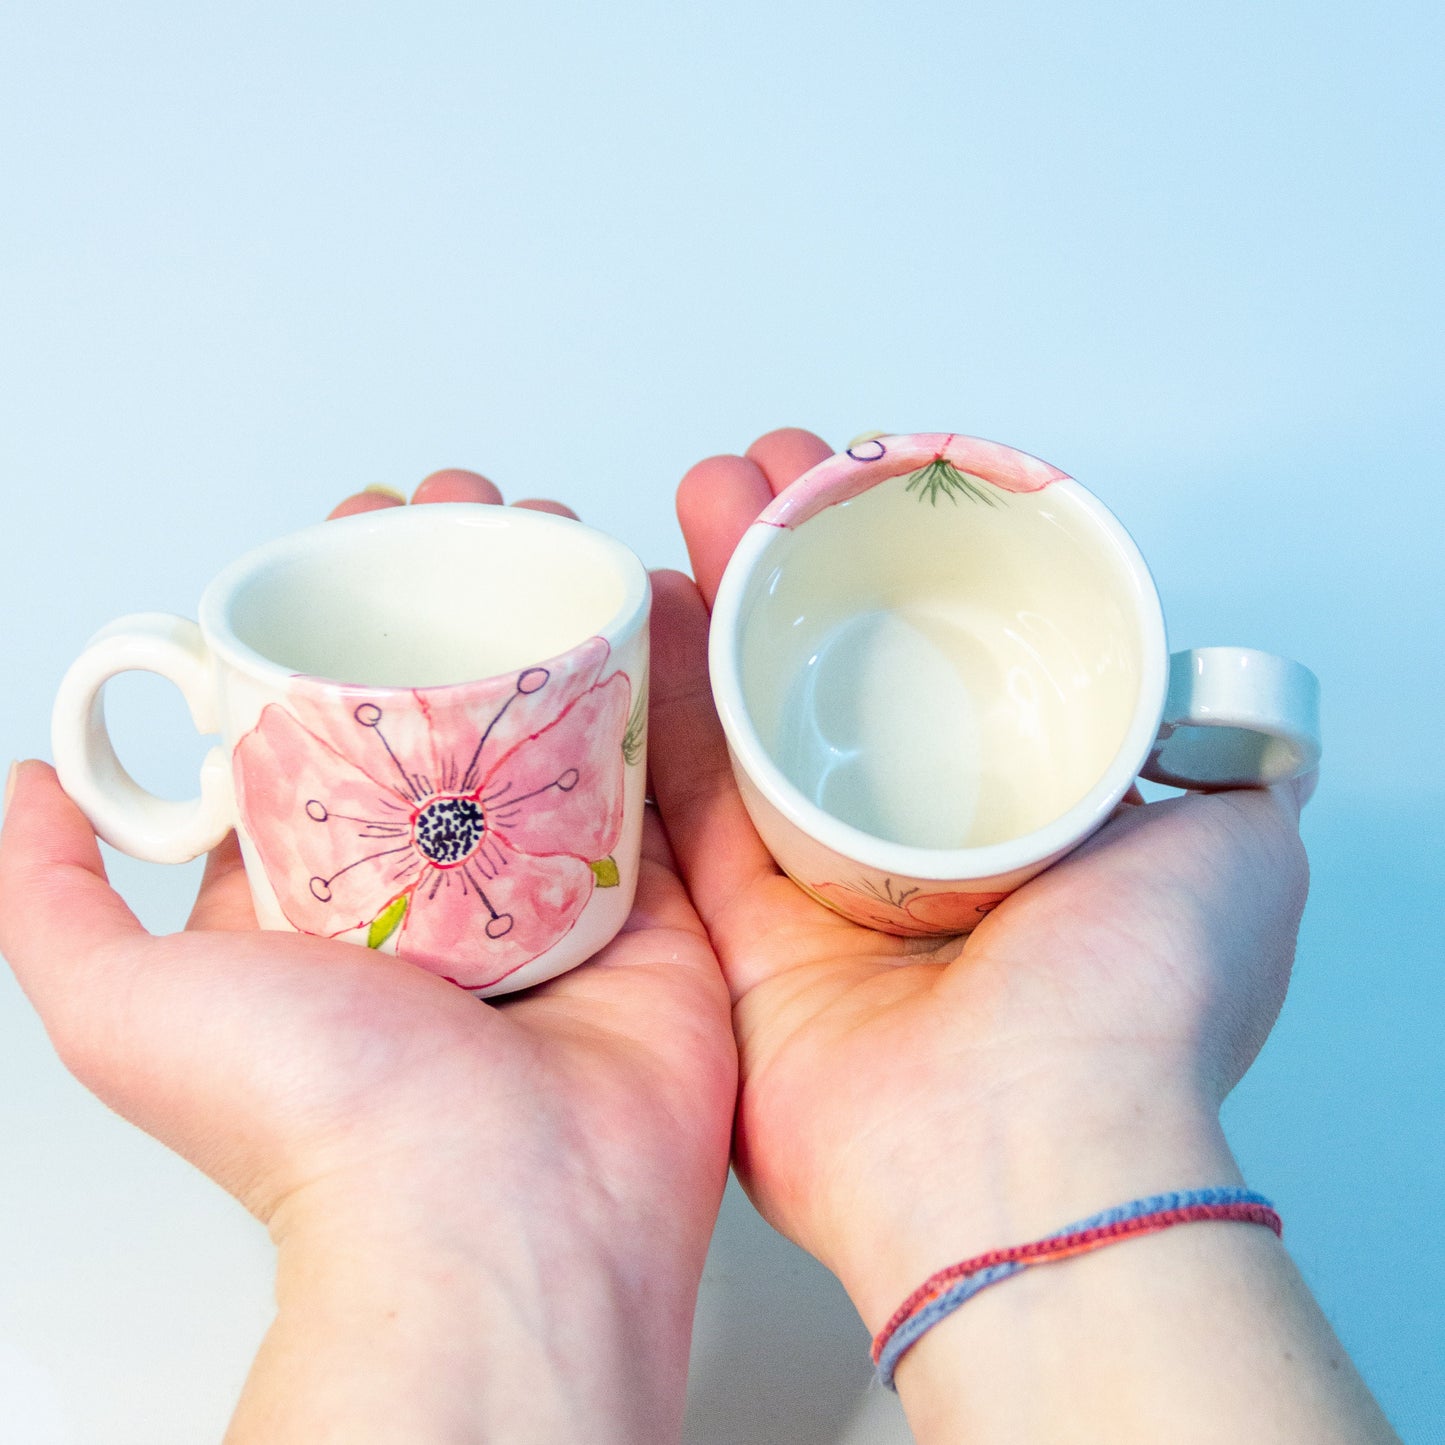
(1236, 718)
(123, 813)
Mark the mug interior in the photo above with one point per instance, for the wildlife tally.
(424, 596)
(946, 673)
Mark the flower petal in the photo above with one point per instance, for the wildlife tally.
(544, 693)
(478, 923)
(953, 912)
(918, 915)
(388, 731)
(335, 843)
(845, 475)
(863, 908)
(439, 739)
(561, 791)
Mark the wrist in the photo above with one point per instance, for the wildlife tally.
(1202, 1330)
(520, 1326)
(1057, 1147)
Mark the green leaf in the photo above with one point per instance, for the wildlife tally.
(633, 737)
(942, 479)
(605, 872)
(387, 921)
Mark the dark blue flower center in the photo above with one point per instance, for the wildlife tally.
(448, 829)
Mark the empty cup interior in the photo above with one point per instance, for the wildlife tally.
(945, 672)
(425, 596)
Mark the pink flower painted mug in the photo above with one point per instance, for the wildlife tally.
(433, 725)
(940, 664)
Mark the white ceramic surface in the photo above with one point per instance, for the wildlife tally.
(940, 664)
(433, 729)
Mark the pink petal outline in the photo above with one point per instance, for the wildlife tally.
(282, 770)
(842, 477)
(445, 929)
(585, 820)
(921, 915)
(426, 742)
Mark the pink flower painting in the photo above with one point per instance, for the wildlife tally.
(471, 822)
(938, 464)
(908, 911)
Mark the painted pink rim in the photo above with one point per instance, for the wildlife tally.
(839, 479)
(850, 473)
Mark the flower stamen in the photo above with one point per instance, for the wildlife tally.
(449, 829)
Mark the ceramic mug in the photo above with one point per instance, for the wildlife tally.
(940, 664)
(433, 726)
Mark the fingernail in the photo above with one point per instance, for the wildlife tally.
(10, 784)
(382, 491)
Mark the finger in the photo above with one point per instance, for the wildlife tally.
(784, 455)
(546, 504)
(224, 898)
(455, 485)
(717, 501)
(1304, 788)
(717, 849)
(373, 499)
(57, 909)
(1287, 798)
(1129, 803)
(661, 900)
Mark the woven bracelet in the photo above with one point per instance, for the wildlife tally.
(943, 1292)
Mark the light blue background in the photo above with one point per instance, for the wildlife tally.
(255, 256)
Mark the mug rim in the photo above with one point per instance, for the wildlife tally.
(976, 863)
(214, 611)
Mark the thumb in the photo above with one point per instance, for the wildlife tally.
(57, 908)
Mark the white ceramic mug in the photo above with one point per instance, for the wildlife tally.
(940, 664)
(433, 726)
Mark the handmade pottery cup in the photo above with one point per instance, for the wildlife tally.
(940, 664)
(433, 725)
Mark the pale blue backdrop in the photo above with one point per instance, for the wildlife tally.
(254, 256)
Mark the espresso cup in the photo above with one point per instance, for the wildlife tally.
(433, 732)
(940, 664)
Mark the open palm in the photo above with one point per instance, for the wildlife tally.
(301, 1071)
(860, 1052)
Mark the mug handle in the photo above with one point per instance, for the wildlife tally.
(1235, 718)
(123, 813)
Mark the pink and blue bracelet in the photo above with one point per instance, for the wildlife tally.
(943, 1292)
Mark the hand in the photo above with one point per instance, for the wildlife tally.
(1158, 953)
(480, 1209)
(906, 1103)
